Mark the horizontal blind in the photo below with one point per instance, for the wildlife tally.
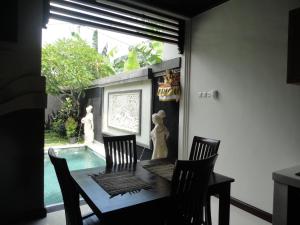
(118, 18)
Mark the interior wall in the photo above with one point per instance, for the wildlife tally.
(21, 132)
(23, 56)
(240, 49)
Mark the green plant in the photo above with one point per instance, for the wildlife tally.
(70, 65)
(95, 40)
(52, 139)
(68, 109)
(119, 63)
(71, 127)
(148, 53)
(132, 62)
(140, 55)
(59, 118)
(58, 126)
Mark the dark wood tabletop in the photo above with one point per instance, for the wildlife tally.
(105, 205)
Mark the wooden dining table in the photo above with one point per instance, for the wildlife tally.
(145, 206)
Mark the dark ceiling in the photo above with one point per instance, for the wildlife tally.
(188, 8)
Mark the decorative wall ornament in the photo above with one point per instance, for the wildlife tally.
(124, 111)
(88, 122)
(169, 90)
(159, 135)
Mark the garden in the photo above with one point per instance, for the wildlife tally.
(70, 65)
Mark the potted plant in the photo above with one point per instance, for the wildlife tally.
(71, 126)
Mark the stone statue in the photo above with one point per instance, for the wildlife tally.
(88, 122)
(159, 135)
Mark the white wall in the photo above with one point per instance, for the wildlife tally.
(144, 137)
(240, 48)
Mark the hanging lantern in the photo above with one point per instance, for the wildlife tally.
(169, 90)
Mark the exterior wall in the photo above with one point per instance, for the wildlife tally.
(53, 105)
(21, 132)
(240, 49)
(143, 138)
(94, 97)
(98, 98)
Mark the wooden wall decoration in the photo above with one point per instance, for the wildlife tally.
(169, 89)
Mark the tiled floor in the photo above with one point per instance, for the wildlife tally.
(237, 217)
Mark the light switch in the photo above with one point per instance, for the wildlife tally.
(208, 94)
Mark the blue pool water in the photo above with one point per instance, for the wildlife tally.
(77, 158)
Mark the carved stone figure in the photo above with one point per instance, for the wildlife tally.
(159, 135)
(88, 122)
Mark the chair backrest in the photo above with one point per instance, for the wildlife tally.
(203, 148)
(189, 189)
(120, 150)
(68, 189)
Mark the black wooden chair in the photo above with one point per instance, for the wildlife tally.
(189, 192)
(70, 193)
(203, 148)
(120, 150)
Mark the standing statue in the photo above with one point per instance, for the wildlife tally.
(159, 135)
(88, 122)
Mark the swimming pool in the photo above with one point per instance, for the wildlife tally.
(77, 158)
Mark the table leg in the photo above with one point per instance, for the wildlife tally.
(280, 204)
(224, 205)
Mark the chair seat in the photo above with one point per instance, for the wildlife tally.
(92, 220)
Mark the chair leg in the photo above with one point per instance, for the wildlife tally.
(208, 212)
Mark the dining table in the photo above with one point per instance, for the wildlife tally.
(148, 205)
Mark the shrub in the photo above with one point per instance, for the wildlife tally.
(58, 126)
(58, 119)
(71, 126)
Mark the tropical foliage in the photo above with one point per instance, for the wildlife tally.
(70, 65)
(141, 55)
(71, 127)
(59, 118)
(148, 53)
(132, 62)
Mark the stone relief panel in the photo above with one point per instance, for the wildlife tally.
(124, 111)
